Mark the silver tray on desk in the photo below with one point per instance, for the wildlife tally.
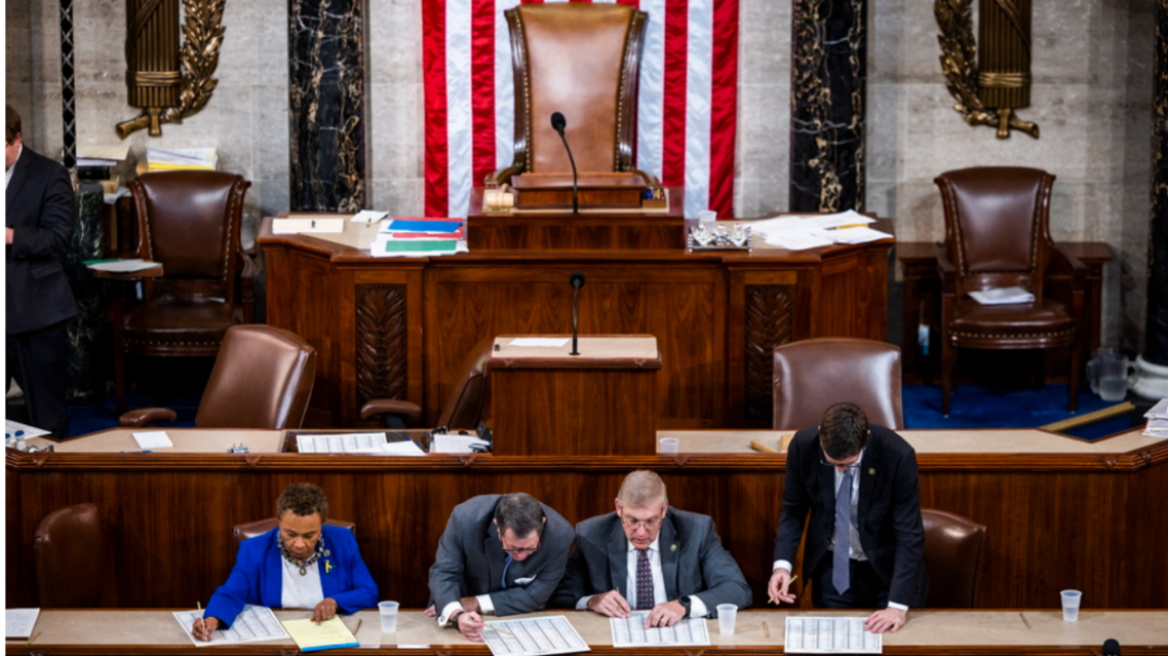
(719, 238)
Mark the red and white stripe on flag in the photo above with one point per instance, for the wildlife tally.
(687, 107)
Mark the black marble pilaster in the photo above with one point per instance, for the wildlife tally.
(84, 329)
(828, 75)
(1156, 350)
(327, 104)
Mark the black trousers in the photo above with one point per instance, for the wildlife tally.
(36, 359)
(865, 590)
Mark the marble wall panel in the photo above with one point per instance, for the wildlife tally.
(18, 73)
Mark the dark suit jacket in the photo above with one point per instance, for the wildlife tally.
(693, 562)
(258, 576)
(889, 511)
(470, 560)
(42, 211)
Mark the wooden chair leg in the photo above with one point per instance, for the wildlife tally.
(948, 364)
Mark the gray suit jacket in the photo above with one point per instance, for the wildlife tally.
(470, 560)
(693, 562)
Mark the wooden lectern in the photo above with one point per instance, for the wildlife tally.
(601, 402)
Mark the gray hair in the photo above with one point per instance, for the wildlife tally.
(642, 489)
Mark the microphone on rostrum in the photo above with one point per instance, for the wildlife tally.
(577, 281)
(1111, 647)
(558, 124)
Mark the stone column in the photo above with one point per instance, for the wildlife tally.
(828, 75)
(1152, 376)
(327, 104)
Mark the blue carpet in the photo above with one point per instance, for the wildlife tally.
(1000, 407)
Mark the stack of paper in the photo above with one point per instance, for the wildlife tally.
(182, 159)
(1157, 420)
(374, 444)
(420, 237)
(1002, 296)
(330, 634)
(796, 233)
(118, 265)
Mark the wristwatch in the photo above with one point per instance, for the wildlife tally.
(685, 603)
(454, 617)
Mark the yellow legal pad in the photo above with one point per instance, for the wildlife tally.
(309, 636)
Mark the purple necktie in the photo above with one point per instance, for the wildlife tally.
(644, 581)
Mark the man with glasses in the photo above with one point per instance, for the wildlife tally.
(500, 555)
(865, 541)
(650, 557)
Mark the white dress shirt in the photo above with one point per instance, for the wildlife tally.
(9, 171)
(697, 607)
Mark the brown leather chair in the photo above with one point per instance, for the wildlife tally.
(70, 558)
(997, 234)
(190, 222)
(254, 529)
(463, 409)
(583, 60)
(262, 378)
(812, 374)
(954, 551)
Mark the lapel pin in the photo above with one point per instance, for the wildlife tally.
(871, 471)
(328, 567)
(673, 547)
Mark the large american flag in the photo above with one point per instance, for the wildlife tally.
(686, 109)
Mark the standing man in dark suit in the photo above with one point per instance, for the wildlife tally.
(500, 555)
(666, 561)
(866, 541)
(41, 214)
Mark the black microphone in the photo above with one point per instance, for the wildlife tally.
(1111, 647)
(577, 281)
(558, 124)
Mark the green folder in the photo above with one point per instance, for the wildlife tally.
(421, 246)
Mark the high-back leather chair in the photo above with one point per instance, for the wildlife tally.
(997, 235)
(954, 551)
(257, 528)
(190, 222)
(262, 378)
(463, 408)
(812, 374)
(70, 558)
(582, 60)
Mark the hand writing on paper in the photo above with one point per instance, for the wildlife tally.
(889, 619)
(777, 588)
(666, 614)
(610, 603)
(204, 628)
(325, 610)
(471, 626)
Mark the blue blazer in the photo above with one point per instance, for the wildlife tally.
(258, 576)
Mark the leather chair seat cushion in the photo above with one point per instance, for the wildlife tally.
(172, 324)
(1040, 324)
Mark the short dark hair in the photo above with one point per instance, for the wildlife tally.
(303, 499)
(521, 513)
(843, 432)
(11, 124)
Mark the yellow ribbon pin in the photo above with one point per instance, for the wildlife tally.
(328, 567)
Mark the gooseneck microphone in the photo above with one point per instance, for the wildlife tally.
(1111, 647)
(577, 281)
(558, 124)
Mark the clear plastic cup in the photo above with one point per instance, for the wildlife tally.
(667, 445)
(1071, 599)
(707, 217)
(727, 618)
(388, 610)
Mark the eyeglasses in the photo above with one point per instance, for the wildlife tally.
(851, 465)
(638, 523)
(521, 551)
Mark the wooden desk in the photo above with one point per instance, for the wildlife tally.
(1062, 512)
(922, 303)
(401, 327)
(946, 633)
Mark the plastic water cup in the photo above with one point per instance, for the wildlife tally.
(707, 216)
(727, 617)
(667, 445)
(1071, 599)
(388, 610)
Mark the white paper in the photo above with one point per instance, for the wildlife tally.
(534, 636)
(19, 622)
(1158, 411)
(296, 226)
(796, 240)
(454, 443)
(860, 235)
(1002, 296)
(253, 624)
(830, 635)
(341, 443)
(97, 152)
(368, 216)
(11, 428)
(539, 341)
(839, 219)
(153, 440)
(402, 448)
(123, 266)
(631, 632)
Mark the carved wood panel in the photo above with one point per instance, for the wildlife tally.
(769, 323)
(381, 342)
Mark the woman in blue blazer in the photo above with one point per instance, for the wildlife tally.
(300, 564)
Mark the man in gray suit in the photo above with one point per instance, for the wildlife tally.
(499, 554)
(648, 556)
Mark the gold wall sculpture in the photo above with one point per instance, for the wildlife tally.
(168, 81)
(991, 80)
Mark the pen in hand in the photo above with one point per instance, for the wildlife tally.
(199, 605)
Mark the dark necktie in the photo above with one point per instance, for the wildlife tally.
(840, 574)
(644, 581)
(506, 566)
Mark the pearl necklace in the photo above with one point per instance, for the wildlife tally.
(320, 551)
